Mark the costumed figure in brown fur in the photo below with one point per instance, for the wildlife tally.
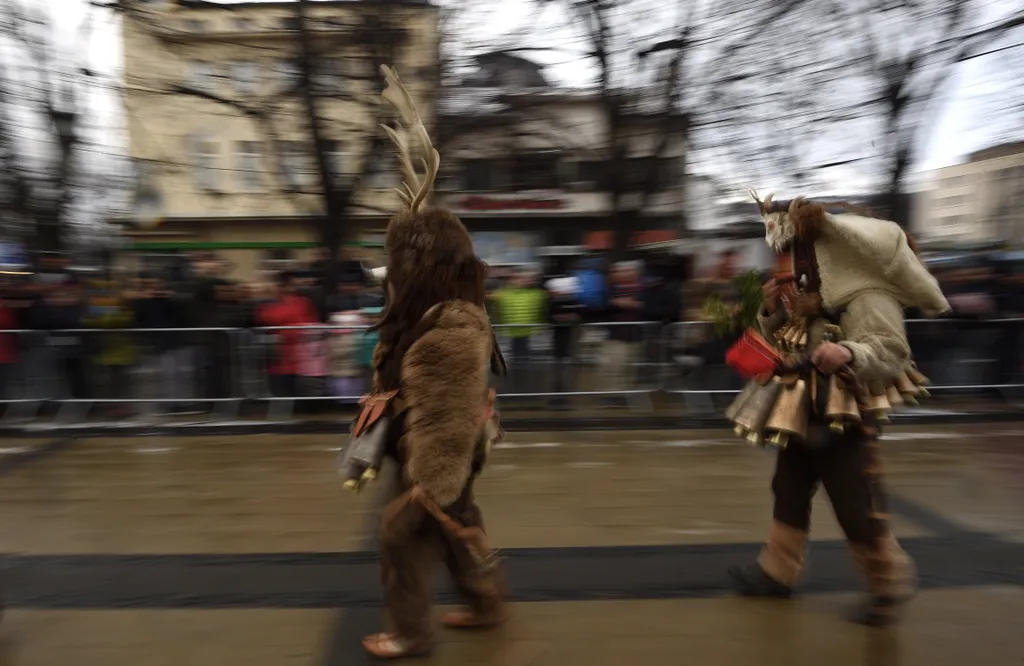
(430, 384)
(838, 323)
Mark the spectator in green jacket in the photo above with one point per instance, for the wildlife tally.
(521, 303)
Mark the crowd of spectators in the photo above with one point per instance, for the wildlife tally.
(180, 331)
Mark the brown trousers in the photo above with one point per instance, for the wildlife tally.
(412, 542)
(849, 469)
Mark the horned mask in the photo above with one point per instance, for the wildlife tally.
(785, 221)
(778, 226)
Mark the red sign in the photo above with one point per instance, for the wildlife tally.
(599, 240)
(485, 203)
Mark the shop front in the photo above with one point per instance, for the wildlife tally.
(523, 227)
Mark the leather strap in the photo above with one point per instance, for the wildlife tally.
(374, 406)
(805, 265)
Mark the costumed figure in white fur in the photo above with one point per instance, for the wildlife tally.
(839, 322)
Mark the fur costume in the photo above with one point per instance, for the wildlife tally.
(856, 254)
(853, 275)
(867, 271)
(435, 348)
(442, 425)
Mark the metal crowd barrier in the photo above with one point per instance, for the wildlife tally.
(959, 356)
(124, 370)
(83, 373)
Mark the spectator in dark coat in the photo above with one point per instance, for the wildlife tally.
(156, 307)
(565, 314)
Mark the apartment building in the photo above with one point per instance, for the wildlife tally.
(218, 129)
(979, 201)
(525, 164)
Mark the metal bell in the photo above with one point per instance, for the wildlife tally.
(780, 338)
(919, 382)
(905, 385)
(752, 415)
(907, 388)
(737, 404)
(915, 376)
(789, 415)
(879, 404)
(793, 337)
(894, 396)
(841, 408)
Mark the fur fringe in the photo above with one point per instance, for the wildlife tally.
(808, 219)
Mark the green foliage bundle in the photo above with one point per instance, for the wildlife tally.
(730, 318)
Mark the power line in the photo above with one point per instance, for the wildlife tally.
(990, 51)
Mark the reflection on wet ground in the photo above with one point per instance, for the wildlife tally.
(223, 550)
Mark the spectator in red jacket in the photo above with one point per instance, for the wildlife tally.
(290, 309)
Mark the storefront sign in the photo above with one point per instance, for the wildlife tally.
(487, 203)
(503, 248)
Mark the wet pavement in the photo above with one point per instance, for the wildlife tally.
(224, 550)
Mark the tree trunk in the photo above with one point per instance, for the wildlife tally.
(895, 201)
(329, 226)
(48, 237)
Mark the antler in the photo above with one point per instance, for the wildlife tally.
(414, 191)
(763, 206)
(757, 200)
(794, 204)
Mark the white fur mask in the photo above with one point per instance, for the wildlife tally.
(778, 231)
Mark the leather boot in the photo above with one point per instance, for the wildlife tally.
(778, 567)
(752, 581)
(891, 579)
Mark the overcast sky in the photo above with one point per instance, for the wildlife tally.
(955, 131)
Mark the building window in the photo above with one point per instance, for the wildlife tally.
(582, 174)
(484, 176)
(653, 174)
(277, 259)
(669, 173)
(535, 172)
(336, 158)
(358, 68)
(329, 77)
(295, 163)
(638, 172)
(287, 75)
(248, 163)
(383, 172)
(450, 179)
(202, 76)
(205, 154)
(243, 76)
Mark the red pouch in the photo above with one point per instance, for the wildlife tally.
(752, 356)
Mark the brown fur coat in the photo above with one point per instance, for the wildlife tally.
(444, 386)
